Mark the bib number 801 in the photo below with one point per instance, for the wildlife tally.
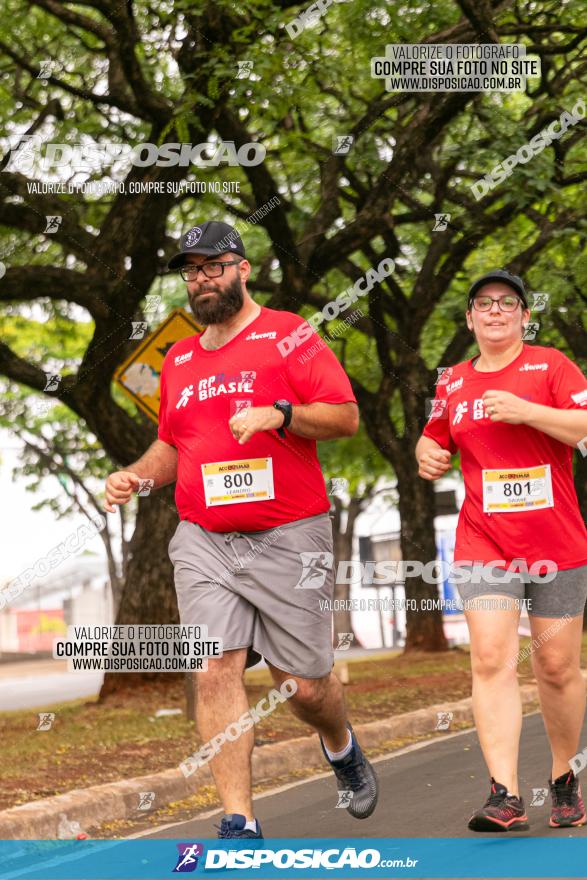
(237, 480)
(516, 489)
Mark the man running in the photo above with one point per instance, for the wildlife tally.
(516, 412)
(238, 423)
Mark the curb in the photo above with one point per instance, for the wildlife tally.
(92, 806)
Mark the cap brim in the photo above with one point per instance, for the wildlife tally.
(178, 260)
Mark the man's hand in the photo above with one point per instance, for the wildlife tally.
(119, 487)
(502, 406)
(434, 463)
(256, 418)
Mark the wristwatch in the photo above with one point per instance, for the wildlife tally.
(285, 407)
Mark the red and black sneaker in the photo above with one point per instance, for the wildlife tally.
(567, 804)
(501, 812)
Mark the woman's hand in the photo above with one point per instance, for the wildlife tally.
(434, 463)
(502, 406)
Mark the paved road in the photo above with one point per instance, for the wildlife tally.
(35, 684)
(425, 791)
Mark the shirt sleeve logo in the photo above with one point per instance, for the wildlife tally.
(183, 358)
(580, 398)
(454, 386)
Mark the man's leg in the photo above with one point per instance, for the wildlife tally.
(556, 664)
(497, 707)
(221, 700)
(320, 703)
(293, 631)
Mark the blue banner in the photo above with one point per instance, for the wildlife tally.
(445, 549)
(484, 857)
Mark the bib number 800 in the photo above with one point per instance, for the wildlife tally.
(237, 480)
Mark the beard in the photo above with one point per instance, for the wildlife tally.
(215, 309)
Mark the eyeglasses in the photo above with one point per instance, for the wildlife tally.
(210, 270)
(507, 303)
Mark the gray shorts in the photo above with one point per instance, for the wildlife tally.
(564, 594)
(261, 590)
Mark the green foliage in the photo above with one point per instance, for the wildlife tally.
(301, 94)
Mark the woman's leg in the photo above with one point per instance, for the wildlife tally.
(493, 627)
(556, 663)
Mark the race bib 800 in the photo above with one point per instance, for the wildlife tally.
(236, 482)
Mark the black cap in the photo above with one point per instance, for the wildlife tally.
(209, 238)
(513, 281)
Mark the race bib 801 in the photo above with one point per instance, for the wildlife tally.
(514, 490)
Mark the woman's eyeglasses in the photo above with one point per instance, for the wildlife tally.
(507, 303)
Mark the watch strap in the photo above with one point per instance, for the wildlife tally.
(285, 408)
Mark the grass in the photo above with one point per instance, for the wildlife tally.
(91, 743)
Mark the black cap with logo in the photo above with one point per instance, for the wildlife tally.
(210, 238)
(513, 281)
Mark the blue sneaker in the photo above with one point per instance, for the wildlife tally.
(355, 774)
(234, 826)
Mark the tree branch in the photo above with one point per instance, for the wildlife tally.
(26, 283)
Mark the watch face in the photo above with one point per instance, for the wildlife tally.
(281, 403)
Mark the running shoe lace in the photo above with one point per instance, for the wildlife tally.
(351, 775)
(494, 800)
(564, 794)
(226, 831)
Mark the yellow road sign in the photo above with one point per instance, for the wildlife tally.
(140, 373)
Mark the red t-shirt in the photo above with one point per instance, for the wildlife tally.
(458, 422)
(201, 390)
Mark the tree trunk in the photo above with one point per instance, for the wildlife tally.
(416, 506)
(148, 595)
(416, 496)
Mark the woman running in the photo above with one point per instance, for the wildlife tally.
(516, 413)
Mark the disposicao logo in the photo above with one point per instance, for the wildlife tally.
(187, 860)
